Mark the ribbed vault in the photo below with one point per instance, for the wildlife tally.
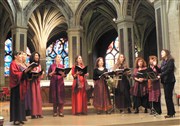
(97, 19)
(6, 19)
(45, 22)
(144, 23)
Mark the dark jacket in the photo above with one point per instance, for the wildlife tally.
(167, 71)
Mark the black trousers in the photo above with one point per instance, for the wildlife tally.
(168, 91)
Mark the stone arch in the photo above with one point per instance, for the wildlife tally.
(61, 5)
(144, 24)
(6, 21)
(38, 30)
(83, 5)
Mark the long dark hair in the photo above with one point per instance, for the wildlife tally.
(97, 61)
(168, 54)
(31, 59)
(76, 63)
(16, 53)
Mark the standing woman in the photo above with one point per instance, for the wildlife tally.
(122, 94)
(168, 80)
(26, 86)
(140, 90)
(101, 99)
(36, 97)
(57, 89)
(79, 96)
(154, 88)
(17, 108)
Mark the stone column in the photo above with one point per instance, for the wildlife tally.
(2, 78)
(19, 38)
(126, 40)
(74, 44)
(42, 52)
(161, 25)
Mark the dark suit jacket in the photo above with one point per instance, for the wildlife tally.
(167, 71)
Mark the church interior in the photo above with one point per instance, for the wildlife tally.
(92, 29)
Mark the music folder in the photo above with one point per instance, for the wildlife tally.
(65, 70)
(37, 74)
(83, 70)
(106, 74)
(142, 74)
(151, 74)
(31, 66)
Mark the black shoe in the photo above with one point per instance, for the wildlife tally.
(21, 122)
(145, 110)
(136, 111)
(33, 117)
(121, 111)
(40, 116)
(129, 110)
(55, 114)
(16, 123)
(108, 112)
(61, 114)
(98, 112)
(169, 116)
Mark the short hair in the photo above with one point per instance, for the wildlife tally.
(153, 58)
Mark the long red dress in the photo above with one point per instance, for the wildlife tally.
(17, 108)
(56, 89)
(79, 96)
(36, 93)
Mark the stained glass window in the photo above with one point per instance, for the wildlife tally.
(112, 54)
(8, 56)
(60, 47)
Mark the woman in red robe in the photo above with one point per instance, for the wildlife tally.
(79, 96)
(36, 110)
(17, 108)
(56, 90)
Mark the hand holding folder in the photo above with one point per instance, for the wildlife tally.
(62, 71)
(30, 67)
(82, 71)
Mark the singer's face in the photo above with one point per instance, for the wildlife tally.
(79, 60)
(24, 56)
(121, 58)
(58, 59)
(140, 63)
(36, 57)
(163, 54)
(19, 57)
(100, 63)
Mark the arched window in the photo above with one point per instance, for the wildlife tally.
(112, 54)
(60, 47)
(8, 56)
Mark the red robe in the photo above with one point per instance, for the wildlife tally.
(79, 97)
(17, 108)
(15, 74)
(36, 93)
(56, 89)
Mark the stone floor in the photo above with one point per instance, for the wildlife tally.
(92, 119)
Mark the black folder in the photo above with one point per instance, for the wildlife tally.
(142, 74)
(65, 70)
(36, 74)
(31, 66)
(82, 70)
